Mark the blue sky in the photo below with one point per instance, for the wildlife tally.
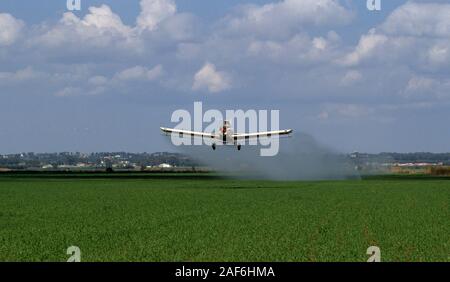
(106, 77)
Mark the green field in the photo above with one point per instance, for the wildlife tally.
(122, 217)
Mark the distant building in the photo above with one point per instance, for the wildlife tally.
(164, 165)
(354, 155)
(67, 166)
(417, 164)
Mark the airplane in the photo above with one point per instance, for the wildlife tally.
(226, 136)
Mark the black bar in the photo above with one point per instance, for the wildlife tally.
(228, 271)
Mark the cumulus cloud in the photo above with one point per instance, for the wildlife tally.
(281, 46)
(419, 19)
(103, 19)
(10, 29)
(300, 48)
(414, 34)
(367, 46)
(102, 33)
(153, 12)
(101, 27)
(284, 51)
(210, 79)
(280, 19)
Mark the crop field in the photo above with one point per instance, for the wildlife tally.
(145, 217)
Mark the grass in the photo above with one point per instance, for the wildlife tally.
(163, 217)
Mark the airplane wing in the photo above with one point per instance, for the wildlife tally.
(261, 134)
(187, 132)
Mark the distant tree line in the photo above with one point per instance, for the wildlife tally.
(104, 159)
(132, 160)
(421, 157)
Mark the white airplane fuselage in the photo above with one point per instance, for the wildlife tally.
(226, 134)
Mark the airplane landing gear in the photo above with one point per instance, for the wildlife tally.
(214, 146)
(239, 147)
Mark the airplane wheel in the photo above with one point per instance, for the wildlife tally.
(239, 147)
(214, 146)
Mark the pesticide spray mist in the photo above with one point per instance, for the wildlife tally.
(300, 157)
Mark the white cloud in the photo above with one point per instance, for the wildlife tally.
(140, 73)
(419, 19)
(104, 20)
(414, 34)
(211, 79)
(301, 48)
(280, 19)
(271, 47)
(153, 12)
(367, 46)
(100, 28)
(283, 51)
(102, 32)
(10, 29)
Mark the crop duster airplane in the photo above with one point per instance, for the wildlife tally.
(226, 136)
